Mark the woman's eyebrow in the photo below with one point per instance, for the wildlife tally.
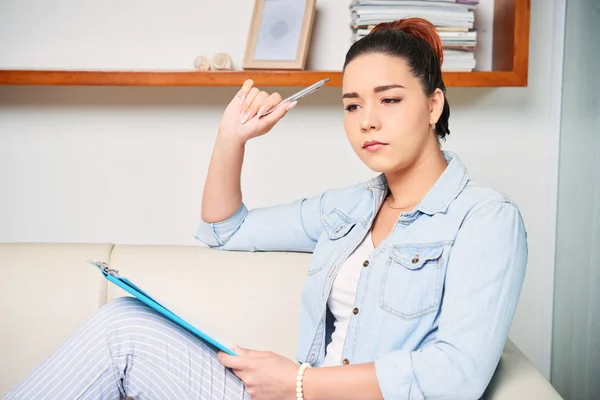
(387, 87)
(376, 89)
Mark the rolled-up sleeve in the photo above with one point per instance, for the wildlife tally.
(216, 234)
(485, 273)
(294, 226)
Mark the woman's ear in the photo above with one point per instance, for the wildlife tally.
(436, 106)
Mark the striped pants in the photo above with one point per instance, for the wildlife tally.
(129, 350)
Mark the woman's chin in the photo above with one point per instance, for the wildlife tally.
(380, 166)
(385, 165)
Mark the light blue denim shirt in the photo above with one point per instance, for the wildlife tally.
(435, 299)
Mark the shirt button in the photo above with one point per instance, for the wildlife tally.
(346, 362)
(355, 311)
(366, 263)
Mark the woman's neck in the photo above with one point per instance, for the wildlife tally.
(408, 187)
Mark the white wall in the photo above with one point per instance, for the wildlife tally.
(126, 165)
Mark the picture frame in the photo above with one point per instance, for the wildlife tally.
(280, 34)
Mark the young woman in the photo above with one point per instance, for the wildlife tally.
(414, 278)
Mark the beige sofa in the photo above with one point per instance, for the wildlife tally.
(251, 299)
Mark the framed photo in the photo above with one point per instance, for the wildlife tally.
(279, 34)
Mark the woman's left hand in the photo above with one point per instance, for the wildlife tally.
(266, 375)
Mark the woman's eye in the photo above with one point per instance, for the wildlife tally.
(390, 101)
(351, 107)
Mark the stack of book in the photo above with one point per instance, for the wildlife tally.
(454, 20)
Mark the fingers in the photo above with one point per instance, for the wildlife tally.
(257, 101)
(278, 113)
(244, 109)
(271, 101)
(233, 362)
(254, 101)
(291, 105)
(243, 92)
(241, 360)
(249, 353)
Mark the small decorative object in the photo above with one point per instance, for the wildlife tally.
(202, 63)
(222, 61)
(279, 34)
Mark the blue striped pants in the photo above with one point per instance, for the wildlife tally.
(129, 350)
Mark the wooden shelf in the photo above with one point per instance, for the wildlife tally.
(234, 78)
(167, 78)
(510, 65)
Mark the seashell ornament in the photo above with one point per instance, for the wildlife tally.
(222, 61)
(202, 63)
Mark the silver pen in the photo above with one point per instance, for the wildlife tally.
(300, 94)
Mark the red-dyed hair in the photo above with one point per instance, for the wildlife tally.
(418, 27)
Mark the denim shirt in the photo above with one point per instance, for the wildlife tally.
(435, 299)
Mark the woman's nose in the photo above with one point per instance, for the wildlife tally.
(370, 123)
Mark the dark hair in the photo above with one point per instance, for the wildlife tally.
(415, 40)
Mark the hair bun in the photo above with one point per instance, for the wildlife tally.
(417, 27)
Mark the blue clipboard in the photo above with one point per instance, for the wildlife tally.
(124, 283)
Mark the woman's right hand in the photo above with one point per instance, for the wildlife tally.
(241, 119)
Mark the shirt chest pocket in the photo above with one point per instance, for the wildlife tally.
(412, 281)
(337, 225)
(336, 229)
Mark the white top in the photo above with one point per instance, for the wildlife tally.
(342, 297)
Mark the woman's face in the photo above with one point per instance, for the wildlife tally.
(387, 115)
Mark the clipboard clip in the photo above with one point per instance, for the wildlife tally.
(104, 268)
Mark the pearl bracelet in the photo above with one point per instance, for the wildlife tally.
(299, 391)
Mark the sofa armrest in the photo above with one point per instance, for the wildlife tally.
(517, 378)
(47, 291)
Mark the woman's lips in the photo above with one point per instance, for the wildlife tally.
(373, 146)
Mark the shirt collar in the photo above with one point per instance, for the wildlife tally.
(448, 186)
